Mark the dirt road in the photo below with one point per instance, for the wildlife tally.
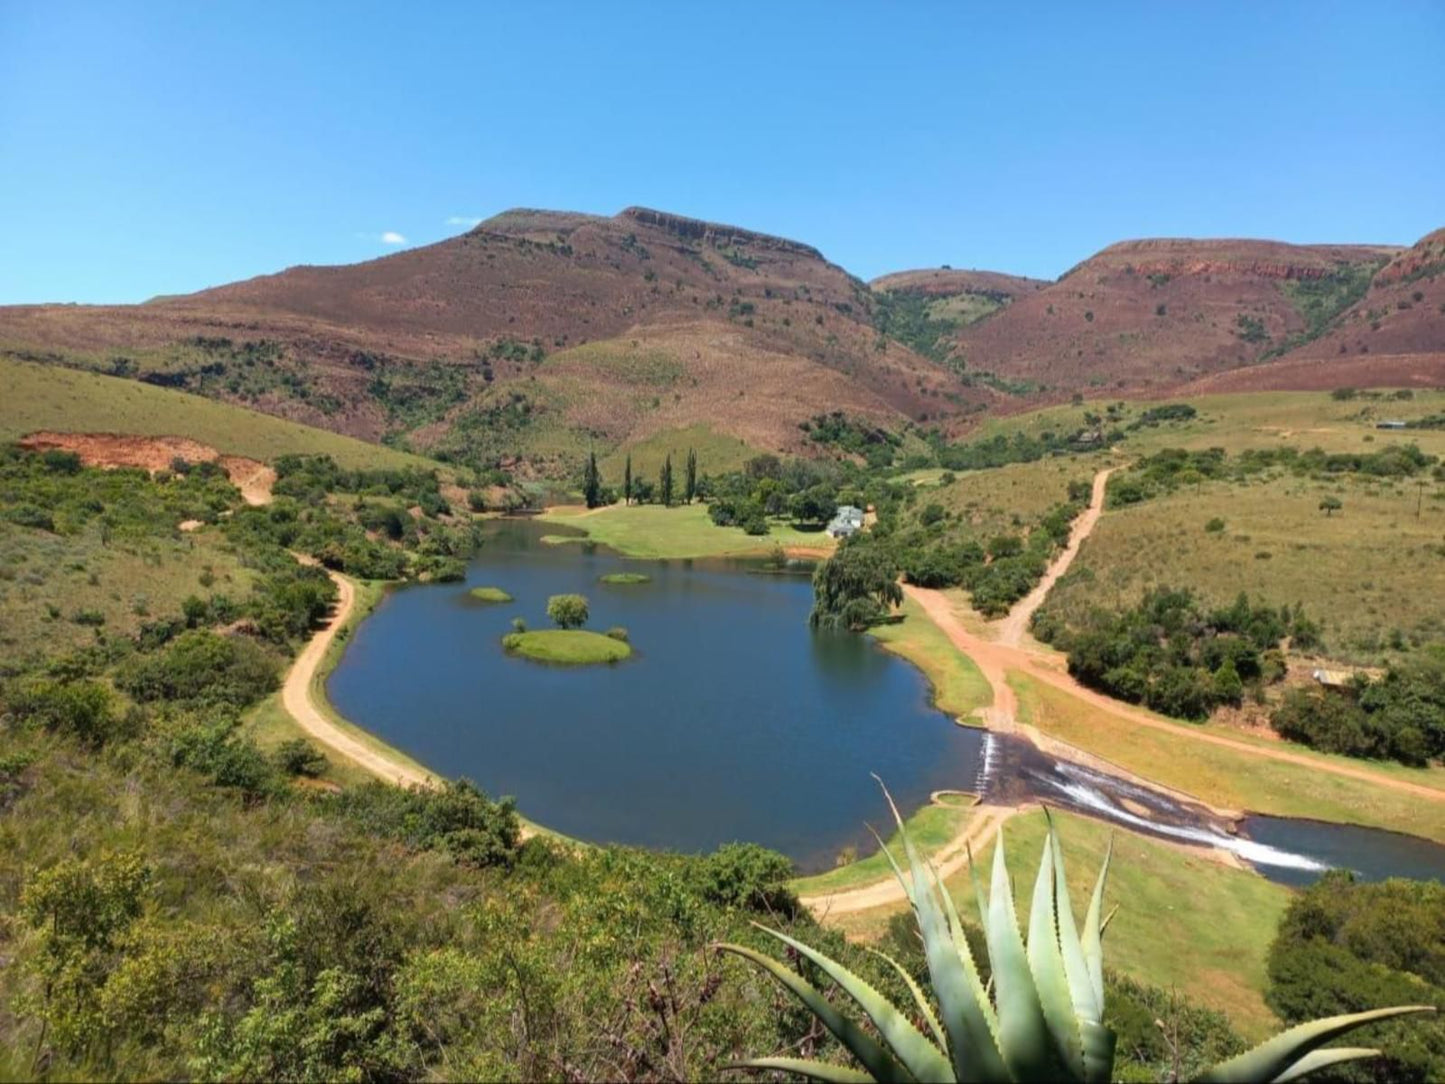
(297, 700)
(981, 827)
(1011, 629)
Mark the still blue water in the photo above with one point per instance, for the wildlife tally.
(732, 721)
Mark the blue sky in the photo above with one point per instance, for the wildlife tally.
(161, 148)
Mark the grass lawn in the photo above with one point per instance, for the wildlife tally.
(958, 686)
(1364, 571)
(650, 530)
(73, 401)
(1184, 920)
(571, 647)
(1233, 778)
(930, 829)
(489, 594)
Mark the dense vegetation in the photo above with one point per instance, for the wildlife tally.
(1175, 656)
(1343, 946)
(1398, 717)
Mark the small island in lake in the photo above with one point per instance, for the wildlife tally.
(489, 594)
(626, 578)
(572, 647)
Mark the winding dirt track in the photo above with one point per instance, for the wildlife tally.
(995, 658)
(296, 699)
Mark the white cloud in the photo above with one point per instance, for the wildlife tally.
(391, 237)
(463, 220)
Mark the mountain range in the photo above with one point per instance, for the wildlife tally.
(539, 334)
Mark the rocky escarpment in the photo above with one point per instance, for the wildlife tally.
(717, 234)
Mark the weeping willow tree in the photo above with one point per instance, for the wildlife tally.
(1040, 1017)
(854, 588)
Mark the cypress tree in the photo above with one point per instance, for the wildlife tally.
(666, 481)
(592, 482)
(690, 487)
(627, 481)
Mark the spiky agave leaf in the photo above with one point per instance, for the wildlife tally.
(1046, 962)
(1097, 1040)
(919, 1056)
(880, 1064)
(967, 1014)
(1024, 1036)
(925, 1010)
(1281, 1058)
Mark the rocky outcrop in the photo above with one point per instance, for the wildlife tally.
(714, 233)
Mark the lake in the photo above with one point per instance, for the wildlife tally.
(732, 720)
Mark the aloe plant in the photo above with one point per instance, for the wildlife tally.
(1042, 1019)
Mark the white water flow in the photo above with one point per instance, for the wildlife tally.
(1078, 790)
(985, 767)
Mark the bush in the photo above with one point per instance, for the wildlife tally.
(749, 877)
(84, 710)
(456, 818)
(617, 632)
(202, 666)
(1214, 526)
(299, 757)
(568, 611)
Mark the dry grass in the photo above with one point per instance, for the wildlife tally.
(1365, 571)
(130, 582)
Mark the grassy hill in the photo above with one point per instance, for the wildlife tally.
(47, 397)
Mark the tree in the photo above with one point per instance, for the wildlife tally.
(665, 481)
(1330, 505)
(568, 611)
(592, 482)
(627, 480)
(690, 484)
(854, 588)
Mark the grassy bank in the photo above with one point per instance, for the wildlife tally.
(958, 686)
(1184, 920)
(1234, 778)
(930, 828)
(650, 530)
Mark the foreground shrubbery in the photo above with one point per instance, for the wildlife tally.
(1343, 946)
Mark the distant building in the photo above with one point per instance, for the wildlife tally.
(1393, 423)
(1333, 679)
(846, 521)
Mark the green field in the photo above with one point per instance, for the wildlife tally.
(1369, 571)
(1185, 921)
(650, 530)
(958, 686)
(69, 400)
(1233, 778)
(1005, 500)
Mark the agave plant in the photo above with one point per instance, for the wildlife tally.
(1043, 1018)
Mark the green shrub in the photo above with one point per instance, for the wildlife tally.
(299, 757)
